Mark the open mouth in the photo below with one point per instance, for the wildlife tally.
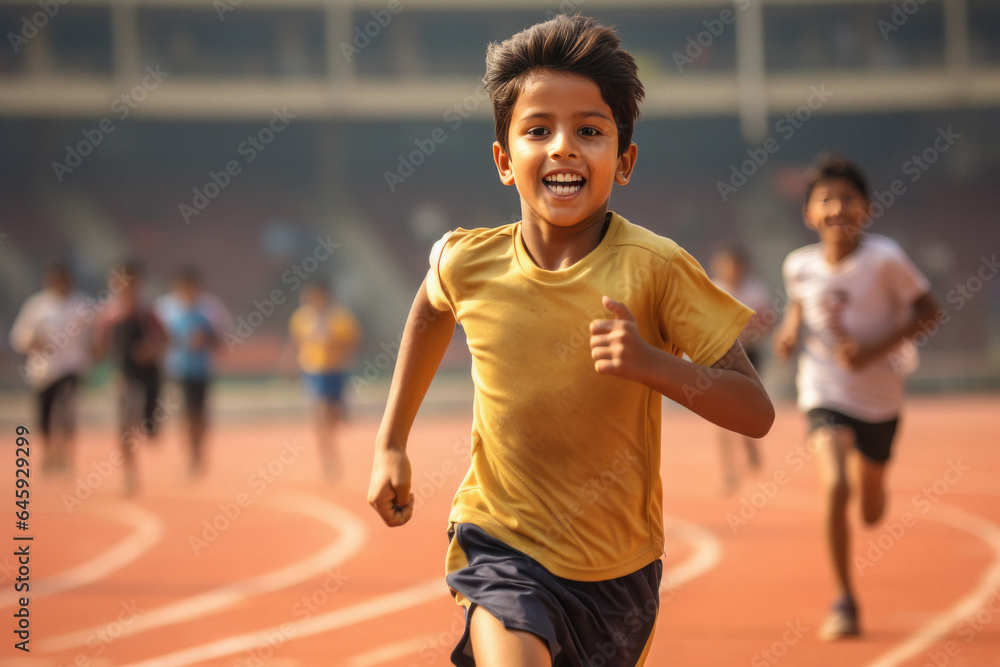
(564, 184)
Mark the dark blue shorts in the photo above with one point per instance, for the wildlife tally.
(592, 623)
(57, 405)
(873, 440)
(325, 386)
(195, 393)
(138, 400)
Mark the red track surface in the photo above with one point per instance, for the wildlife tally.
(298, 572)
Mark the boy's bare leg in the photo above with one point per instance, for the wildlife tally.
(328, 416)
(871, 479)
(496, 646)
(128, 447)
(62, 441)
(832, 447)
(132, 432)
(196, 427)
(55, 455)
(730, 480)
(753, 453)
(61, 432)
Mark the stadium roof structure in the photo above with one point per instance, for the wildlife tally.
(332, 36)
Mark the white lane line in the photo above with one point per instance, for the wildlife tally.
(707, 553)
(393, 651)
(352, 534)
(148, 532)
(332, 620)
(940, 626)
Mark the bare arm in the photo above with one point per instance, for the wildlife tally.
(923, 313)
(426, 336)
(786, 338)
(729, 394)
(24, 337)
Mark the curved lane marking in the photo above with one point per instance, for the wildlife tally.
(148, 532)
(973, 601)
(352, 536)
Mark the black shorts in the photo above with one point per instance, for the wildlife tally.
(874, 441)
(195, 393)
(57, 405)
(137, 403)
(604, 623)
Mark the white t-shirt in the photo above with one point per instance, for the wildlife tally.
(865, 297)
(62, 326)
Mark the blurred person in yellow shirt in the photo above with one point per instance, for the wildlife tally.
(326, 336)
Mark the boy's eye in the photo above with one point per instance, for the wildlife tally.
(537, 132)
(589, 131)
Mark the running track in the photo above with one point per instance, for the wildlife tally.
(260, 562)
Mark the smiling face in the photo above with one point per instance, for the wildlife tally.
(563, 151)
(838, 211)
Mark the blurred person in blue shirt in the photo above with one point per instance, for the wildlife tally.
(196, 322)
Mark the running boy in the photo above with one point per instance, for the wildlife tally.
(854, 301)
(52, 329)
(557, 527)
(195, 321)
(129, 331)
(730, 270)
(327, 336)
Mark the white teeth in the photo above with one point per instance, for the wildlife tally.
(564, 178)
(566, 189)
(564, 184)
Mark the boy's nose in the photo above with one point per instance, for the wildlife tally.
(562, 146)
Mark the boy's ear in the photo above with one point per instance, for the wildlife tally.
(502, 161)
(626, 163)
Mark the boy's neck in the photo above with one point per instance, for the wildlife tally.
(553, 248)
(836, 252)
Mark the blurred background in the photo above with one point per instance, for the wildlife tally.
(270, 141)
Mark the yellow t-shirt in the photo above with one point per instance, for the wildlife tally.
(565, 461)
(326, 338)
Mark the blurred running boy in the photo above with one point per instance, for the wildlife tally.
(855, 299)
(195, 321)
(132, 335)
(327, 336)
(52, 329)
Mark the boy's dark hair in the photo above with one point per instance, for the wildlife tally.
(59, 267)
(188, 273)
(574, 44)
(829, 166)
(130, 267)
(734, 251)
(319, 284)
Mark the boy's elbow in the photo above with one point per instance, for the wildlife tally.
(765, 427)
(763, 421)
